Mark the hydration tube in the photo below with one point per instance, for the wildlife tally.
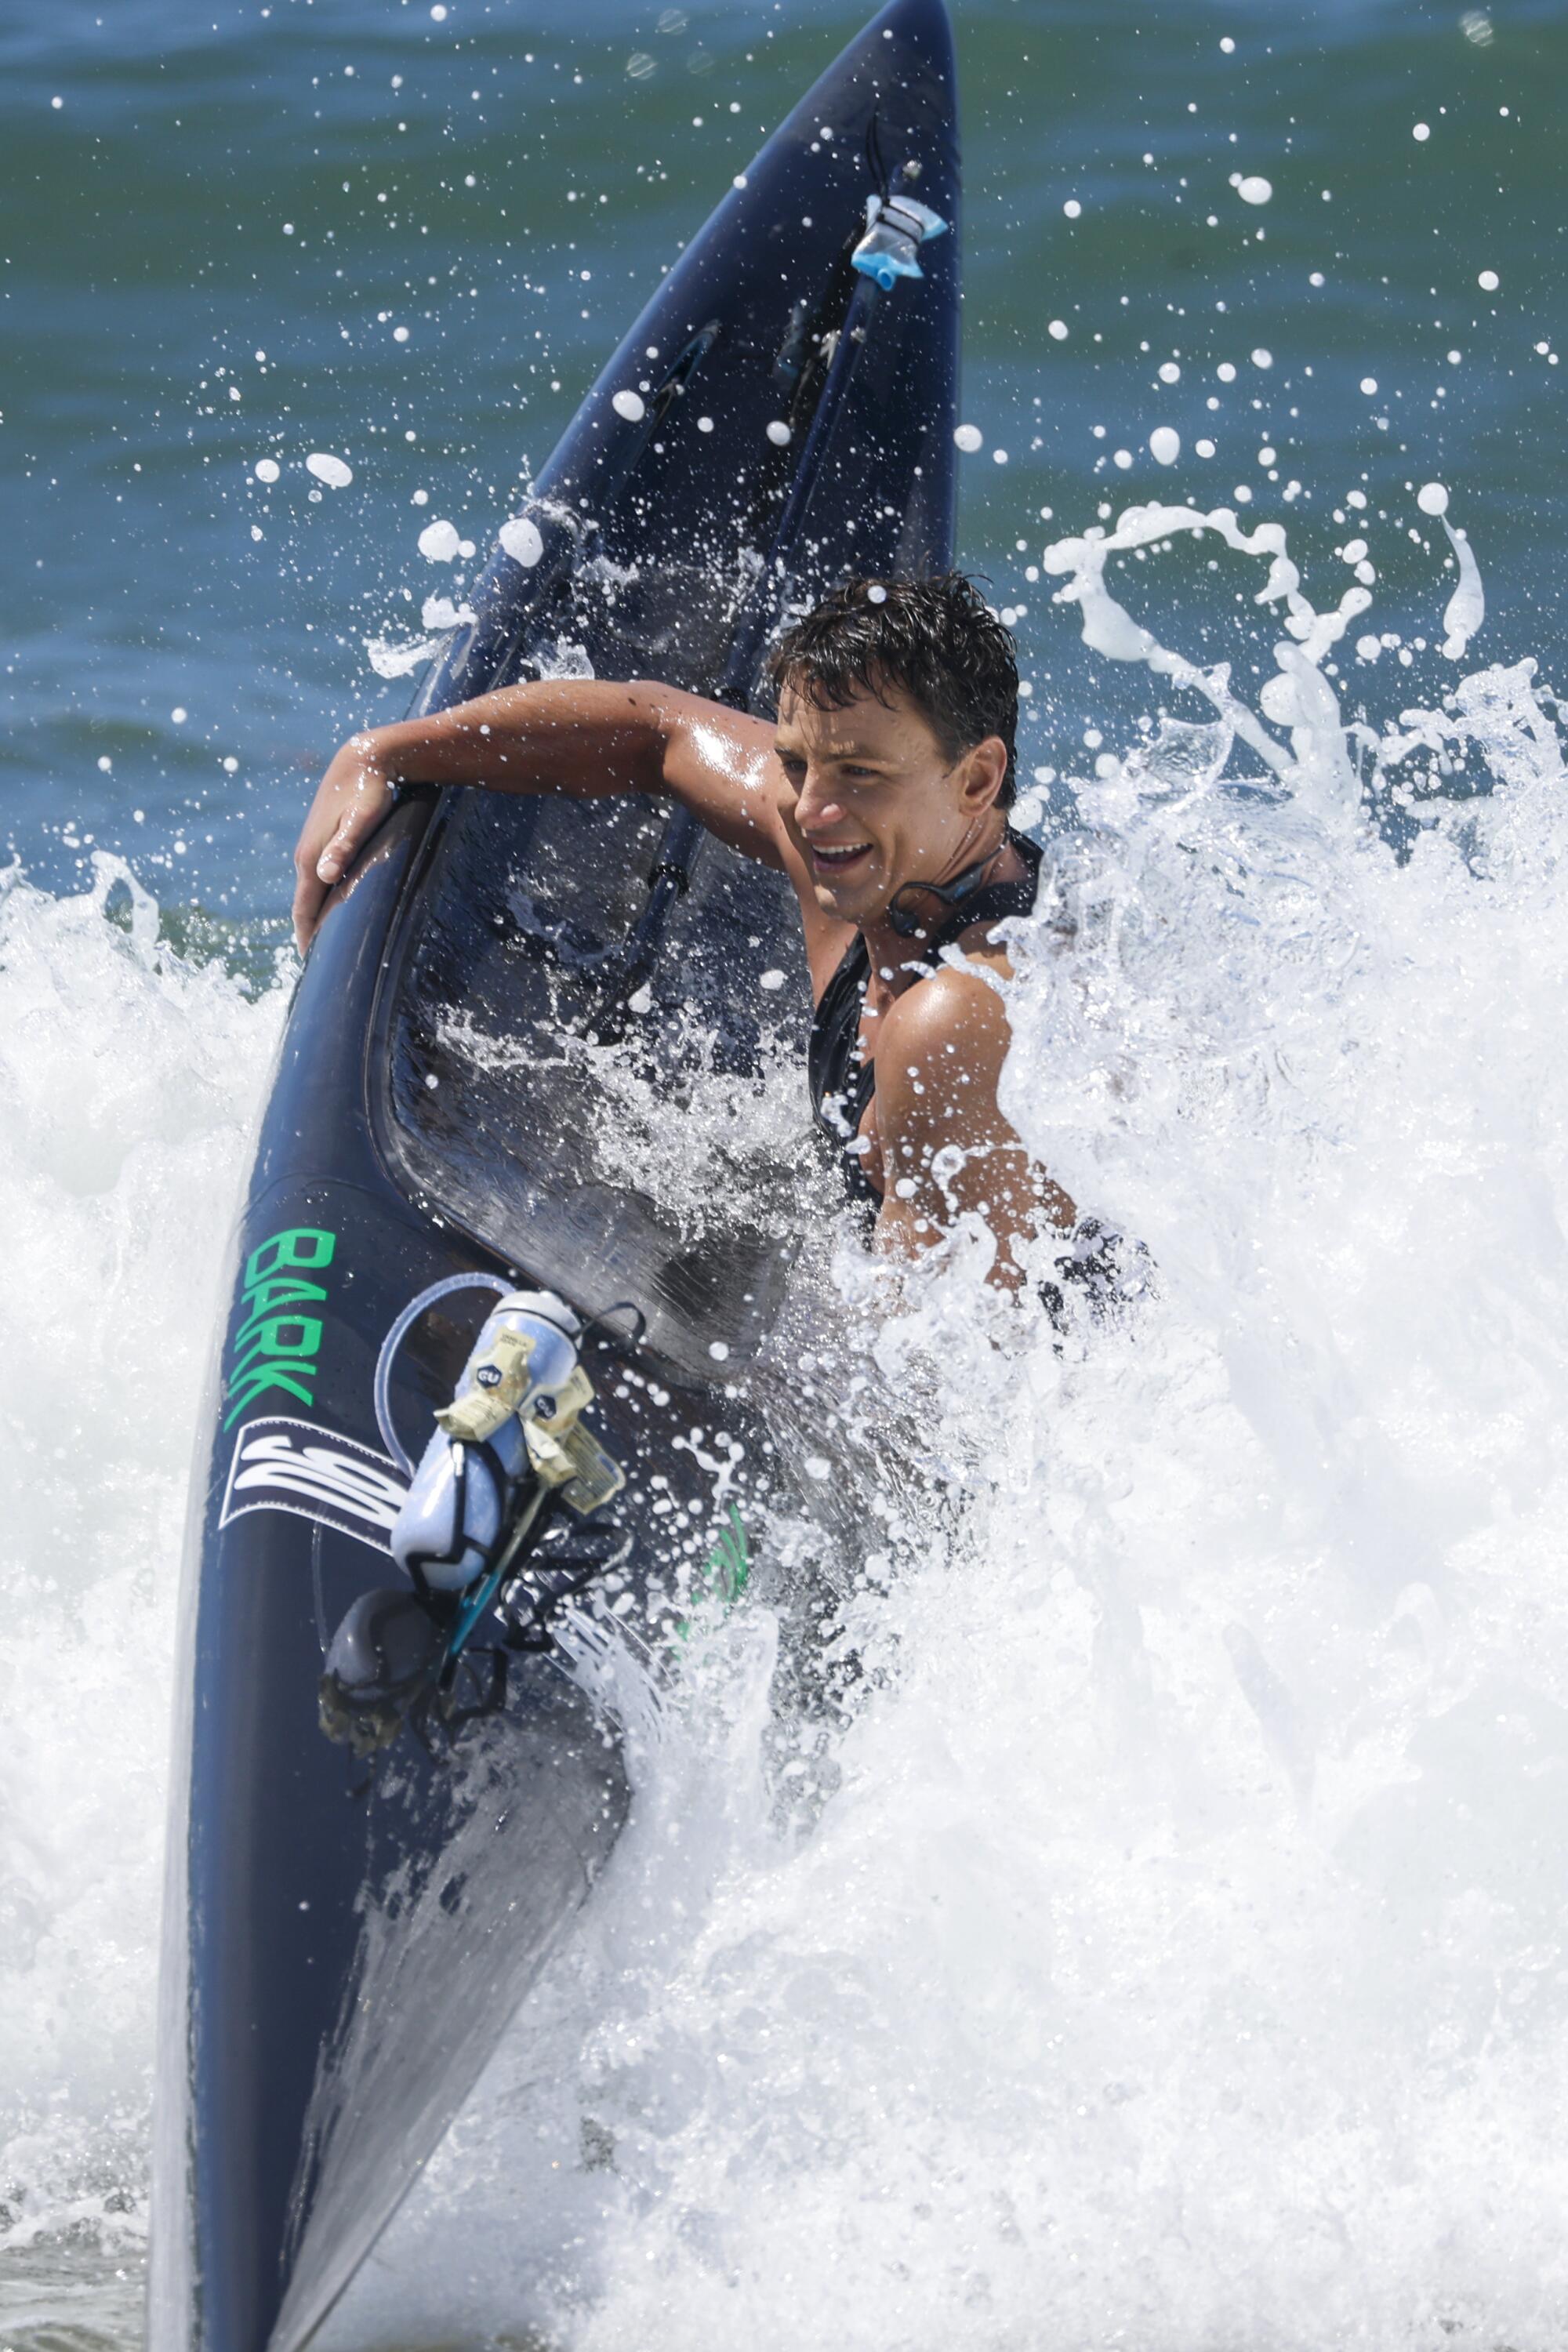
(480, 1596)
(396, 1336)
(537, 1500)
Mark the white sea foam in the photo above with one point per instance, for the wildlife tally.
(1161, 1945)
(1176, 1958)
(400, 657)
(127, 1084)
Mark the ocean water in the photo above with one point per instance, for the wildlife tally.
(1165, 1949)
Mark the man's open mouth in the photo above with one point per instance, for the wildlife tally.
(835, 860)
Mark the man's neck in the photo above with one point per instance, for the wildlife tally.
(896, 956)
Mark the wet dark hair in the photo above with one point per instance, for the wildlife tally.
(936, 638)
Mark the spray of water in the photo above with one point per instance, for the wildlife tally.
(1164, 1948)
(128, 1081)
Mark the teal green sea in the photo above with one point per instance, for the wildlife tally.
(339, 225)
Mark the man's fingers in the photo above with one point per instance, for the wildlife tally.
(353, 828)
(339, 852)
(309, 896)
(353, 800)
(317, 879)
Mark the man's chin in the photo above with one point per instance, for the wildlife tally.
(849, 901)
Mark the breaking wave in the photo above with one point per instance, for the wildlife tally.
(1157, 1938)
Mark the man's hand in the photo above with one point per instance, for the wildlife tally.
(355, 797)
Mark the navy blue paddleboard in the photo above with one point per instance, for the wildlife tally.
(346, 1939)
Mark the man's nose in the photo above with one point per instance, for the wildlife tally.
(817, 805)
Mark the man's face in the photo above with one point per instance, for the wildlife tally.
(872, 802)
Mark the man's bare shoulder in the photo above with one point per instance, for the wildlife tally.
(939, 1059)
(946, 1147)
(721, 763)
(961, 1005)
(714, 724)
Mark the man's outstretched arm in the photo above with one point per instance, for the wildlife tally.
(590, 739)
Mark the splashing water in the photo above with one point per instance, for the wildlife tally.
(1178, 1957)
(1166, 1947)
(128, 1081)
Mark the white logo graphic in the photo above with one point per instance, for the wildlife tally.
(282, 1464)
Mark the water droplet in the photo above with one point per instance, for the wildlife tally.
(520, 540)
(327, 468)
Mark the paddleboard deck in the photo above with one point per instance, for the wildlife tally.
(451, 1114)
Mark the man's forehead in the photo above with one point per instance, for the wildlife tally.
(865, 722)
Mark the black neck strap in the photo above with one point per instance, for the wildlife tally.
(909, 926)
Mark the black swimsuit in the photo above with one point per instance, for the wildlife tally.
(842, 1080)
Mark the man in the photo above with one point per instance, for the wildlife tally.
(882, 792)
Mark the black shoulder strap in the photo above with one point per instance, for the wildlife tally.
(841, 1084)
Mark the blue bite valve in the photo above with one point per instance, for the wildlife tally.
(896, 229)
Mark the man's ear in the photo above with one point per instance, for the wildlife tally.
(983, 773)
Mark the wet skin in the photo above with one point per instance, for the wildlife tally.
(853, 805)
